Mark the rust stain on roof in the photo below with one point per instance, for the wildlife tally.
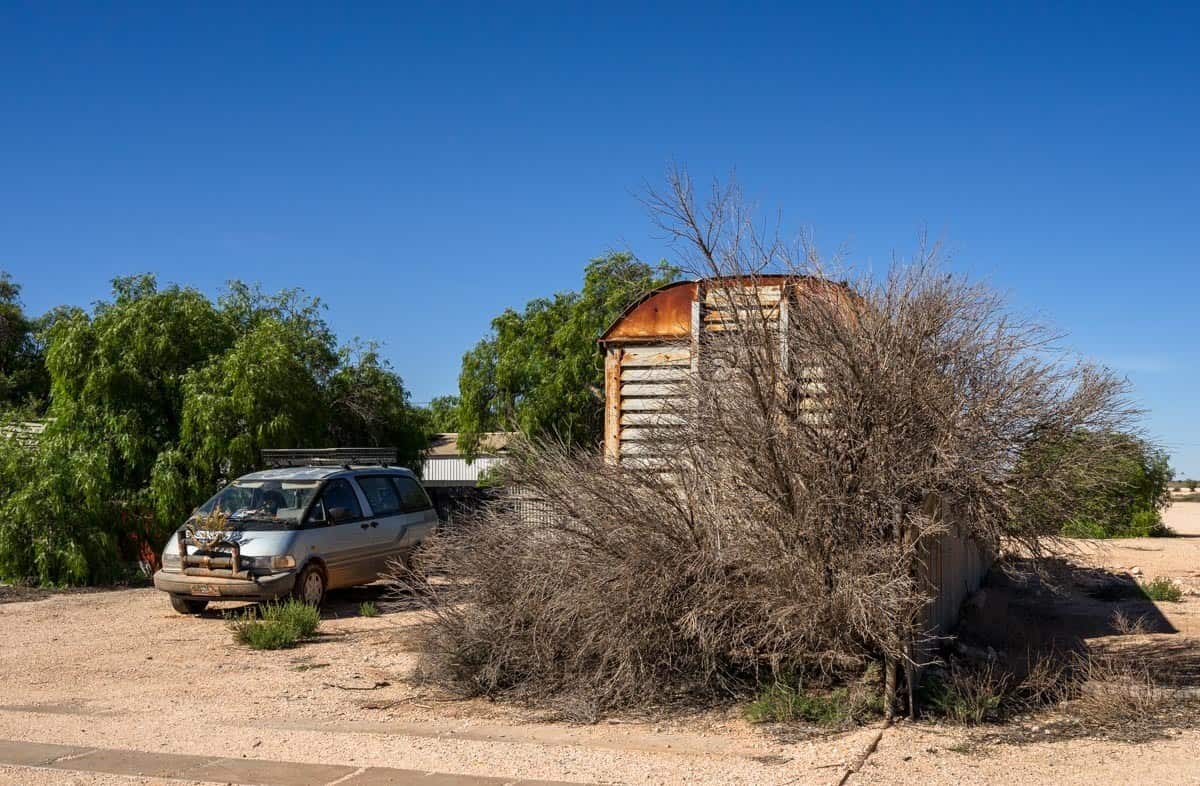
(666, 313)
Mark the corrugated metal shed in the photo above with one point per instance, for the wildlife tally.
(656, 342)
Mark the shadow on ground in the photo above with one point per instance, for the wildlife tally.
(1058, 610)
(1054, 606)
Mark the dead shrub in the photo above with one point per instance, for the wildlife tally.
(775, 523)
(1115, 691)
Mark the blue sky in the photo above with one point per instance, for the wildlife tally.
(423, 166)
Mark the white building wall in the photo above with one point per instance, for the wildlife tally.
(456, 469)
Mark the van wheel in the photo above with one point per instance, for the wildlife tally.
(310, 586)
(187, 605)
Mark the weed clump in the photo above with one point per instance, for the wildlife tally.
(1162, 589)
(966, 695)
(829, 708)
(368, 609)
(275, 626)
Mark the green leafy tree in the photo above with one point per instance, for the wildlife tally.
(540, 371)
(369, 405)
(443, 414)
(23, 380)
(160, 394)
(1120, 482)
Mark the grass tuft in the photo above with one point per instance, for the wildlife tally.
(966, 695)
(781, 702)
(275, 626)
(368, 609)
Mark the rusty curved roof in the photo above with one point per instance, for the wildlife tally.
(666, 312)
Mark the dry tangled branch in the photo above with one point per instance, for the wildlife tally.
(809, 465)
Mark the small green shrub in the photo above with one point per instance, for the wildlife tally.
(1163, 589)
(263, 635)
(966, 695)
(1083, 528)
(1144, 523)
(781, 703)
(304, 617)
(1148, 524)
(368, 609)
(275, 626)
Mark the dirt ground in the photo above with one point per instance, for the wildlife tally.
(121, 670)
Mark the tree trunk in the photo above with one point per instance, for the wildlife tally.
(910, 676)
(889, 687)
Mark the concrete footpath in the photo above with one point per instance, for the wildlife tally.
(216, 769)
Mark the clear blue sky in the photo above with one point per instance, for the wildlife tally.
(424, 166)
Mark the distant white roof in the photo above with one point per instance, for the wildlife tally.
(491, 443)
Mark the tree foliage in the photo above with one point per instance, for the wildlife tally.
(442, 413)
(23, 380)
(1123, 497)
(540, 371)
(160, 393)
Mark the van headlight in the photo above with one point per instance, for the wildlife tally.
(276, 562)
(171, 562)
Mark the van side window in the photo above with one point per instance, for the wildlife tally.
(380, 494)
(412, 496)
(340, 502)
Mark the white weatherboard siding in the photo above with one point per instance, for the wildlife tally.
(456, 469)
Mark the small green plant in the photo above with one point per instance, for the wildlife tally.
(781, 703)
(1144, 523)
(275, 626)
(1083, 528)
(966, 695)
(305, 617)
(368, 609)
(1148, 524)
(1162, 589)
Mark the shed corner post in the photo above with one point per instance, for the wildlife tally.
(612, 403)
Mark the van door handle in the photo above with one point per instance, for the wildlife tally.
(374, 523)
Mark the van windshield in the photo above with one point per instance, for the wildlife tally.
(263, 504)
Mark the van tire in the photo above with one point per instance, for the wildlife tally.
(187, 605)
(310, 585)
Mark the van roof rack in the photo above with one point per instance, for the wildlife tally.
(328, 457)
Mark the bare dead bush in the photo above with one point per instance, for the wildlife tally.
(1117, 692)
(1113, 692)
(800, 475)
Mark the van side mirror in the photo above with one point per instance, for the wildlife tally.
(339, 514)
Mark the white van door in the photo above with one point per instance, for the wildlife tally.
(420, 518)
(386, 524)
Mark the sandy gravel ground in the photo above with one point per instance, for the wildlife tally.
(121, 670)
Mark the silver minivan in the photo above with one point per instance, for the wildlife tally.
(297, 531)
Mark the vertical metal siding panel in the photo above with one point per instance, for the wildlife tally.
(958, 569)
(456, 469)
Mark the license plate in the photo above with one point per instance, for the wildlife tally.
(207, 590)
